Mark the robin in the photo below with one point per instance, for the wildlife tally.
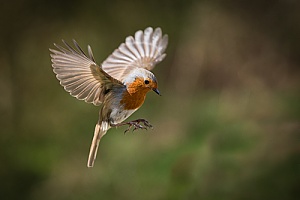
(119, 84)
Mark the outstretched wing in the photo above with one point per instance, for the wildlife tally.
(144, 50)
(79, 74)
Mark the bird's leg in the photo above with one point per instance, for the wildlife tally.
(135, 124)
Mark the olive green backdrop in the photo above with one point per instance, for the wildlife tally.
(227, 125)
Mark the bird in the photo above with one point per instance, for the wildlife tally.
(118, 85)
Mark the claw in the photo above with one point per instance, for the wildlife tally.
(127, 129)
(135, 124)
(147, 124)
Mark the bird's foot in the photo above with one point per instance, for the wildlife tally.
(135, 124)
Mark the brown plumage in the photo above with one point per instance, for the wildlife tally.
(119, 84)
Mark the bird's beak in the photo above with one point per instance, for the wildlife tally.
(156, 91)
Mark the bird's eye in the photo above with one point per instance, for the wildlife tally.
(147, 82)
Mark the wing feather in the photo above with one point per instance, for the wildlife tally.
(130, 44)
(144, 50)
(79, 74)
(139, 43)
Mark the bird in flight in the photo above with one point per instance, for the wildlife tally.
(119, 84)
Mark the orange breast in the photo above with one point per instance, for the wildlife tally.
(133, 101)
(134, 96)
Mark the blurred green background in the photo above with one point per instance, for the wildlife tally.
(227, 126)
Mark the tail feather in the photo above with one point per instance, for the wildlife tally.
(100, 131)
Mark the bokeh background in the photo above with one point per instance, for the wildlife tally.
(226, 128)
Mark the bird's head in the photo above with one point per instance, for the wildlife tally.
(141, 80)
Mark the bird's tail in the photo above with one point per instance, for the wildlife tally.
(100, 131)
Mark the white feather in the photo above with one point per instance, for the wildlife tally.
(72, 69)
(144, 50)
